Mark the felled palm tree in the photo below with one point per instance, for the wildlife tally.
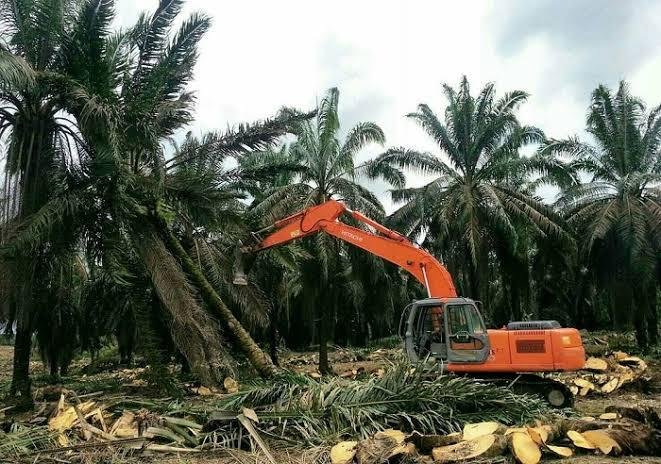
(475, 205)
(617, 214)
(326, 168)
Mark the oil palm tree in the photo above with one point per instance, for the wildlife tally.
(41, 138)
(149, 101)
(124, 193)
(617, 213)
(475, 206)
(326, 168)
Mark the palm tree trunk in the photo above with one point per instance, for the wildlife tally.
(653, 316)
(323, 309)
(273, 333)
(324, 364)
(21, 384)
(259, 360)
(194, 331)
(640, 317)
(515, 301)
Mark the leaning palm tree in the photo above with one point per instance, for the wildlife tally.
(325, 168)
(140, 104)
(124, 195)
(475, 206)
(617, 213)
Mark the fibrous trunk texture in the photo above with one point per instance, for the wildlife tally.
(194, 331)
(257, 357)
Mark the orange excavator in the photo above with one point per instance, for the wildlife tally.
(444, 327)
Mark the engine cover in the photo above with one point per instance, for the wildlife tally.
(533, 325)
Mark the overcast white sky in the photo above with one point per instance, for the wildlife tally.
(386, 57)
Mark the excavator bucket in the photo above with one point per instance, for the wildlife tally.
(242, 262)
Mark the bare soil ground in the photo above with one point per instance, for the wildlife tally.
(347, 363)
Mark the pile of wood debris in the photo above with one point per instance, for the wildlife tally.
(622, 431)
(82, 423)
(90, 421)
(605, 375)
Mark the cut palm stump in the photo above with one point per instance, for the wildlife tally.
(625, 431)
(482, 428)
(605, 375)
(484, 446)
(524, 448)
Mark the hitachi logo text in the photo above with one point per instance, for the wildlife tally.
(354, 237)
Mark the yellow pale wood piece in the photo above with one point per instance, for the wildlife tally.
(585, 390)
(601, 379)
(482, 428)
(642, 365)
(625, 377)
(524, 448)
(516, 429)
(603, 441)
(231, 385)
(65, 419)
(581, 382)
(608, 416)
(611, 385)
(393, 434)
(620, 355)
(596, 364)
(484, 446)
(579, 440)
(540, 434)
(561, 450)
(204, 391)
(125, 426)
(403, 449)
(62, 440)
(343, 452)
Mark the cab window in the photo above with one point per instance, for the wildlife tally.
(465, 318)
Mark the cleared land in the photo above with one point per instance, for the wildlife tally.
(114, 384)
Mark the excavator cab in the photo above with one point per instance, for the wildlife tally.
(447, 329)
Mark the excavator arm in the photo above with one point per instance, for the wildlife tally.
(384, 243)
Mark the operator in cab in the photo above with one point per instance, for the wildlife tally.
(437, 324)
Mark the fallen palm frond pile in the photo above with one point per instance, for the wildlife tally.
(23, 439)
(292, 410)
(605, 375)
(629, 432)
(411, 399)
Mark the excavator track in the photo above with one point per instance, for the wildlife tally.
(555, 393)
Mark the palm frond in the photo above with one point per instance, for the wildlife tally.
(15, 72)
(421, 162)
(361, 135)
(421, 399)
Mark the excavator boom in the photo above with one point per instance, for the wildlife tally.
(384, 243)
